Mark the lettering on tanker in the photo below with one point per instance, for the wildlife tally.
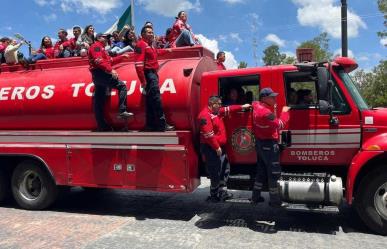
(312, 155)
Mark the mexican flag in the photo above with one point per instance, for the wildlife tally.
(125, 19)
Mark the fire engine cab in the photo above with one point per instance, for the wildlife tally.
(334, 146)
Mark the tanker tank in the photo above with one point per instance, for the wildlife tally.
(57, 94)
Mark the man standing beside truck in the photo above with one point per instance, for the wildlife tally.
(212, 138)
(105, 77)
(266, 128)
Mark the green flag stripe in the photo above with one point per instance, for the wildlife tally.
(126, 18)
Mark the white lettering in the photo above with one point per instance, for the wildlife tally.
(32, 92)
(17, 91)
(77, 87)
(88, 90)
(48, 92)
(168, 85)
(4, 92)
(132, 87)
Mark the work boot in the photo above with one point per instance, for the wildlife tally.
(225, 195)
(167, 127)
(275, 201)
(256, 197)
(125, 114)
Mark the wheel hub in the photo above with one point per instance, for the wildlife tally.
(31, 185)
(380, 200)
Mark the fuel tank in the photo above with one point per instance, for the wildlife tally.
(57, 94)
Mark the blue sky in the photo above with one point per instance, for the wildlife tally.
(229, 25)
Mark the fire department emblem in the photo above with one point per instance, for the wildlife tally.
(243, 140)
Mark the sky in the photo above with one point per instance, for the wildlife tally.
(242, 28)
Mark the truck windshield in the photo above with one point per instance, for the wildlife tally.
(361, 104)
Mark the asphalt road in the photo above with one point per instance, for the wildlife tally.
(127, 219)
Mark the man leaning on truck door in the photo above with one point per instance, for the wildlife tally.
(266, 128)
(212, 138)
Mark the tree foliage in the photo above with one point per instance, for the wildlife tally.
(272, 56)
(382, 4)
(320, 45)
(242, 64)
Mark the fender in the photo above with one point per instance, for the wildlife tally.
(372, 148)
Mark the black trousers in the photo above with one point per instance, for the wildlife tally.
(218, 168)
(155, 118)
(103, 82)
(268, 167)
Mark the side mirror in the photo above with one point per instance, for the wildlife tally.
(323, 85)
(324, 107)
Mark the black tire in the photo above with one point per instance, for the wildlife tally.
(372, 187)
(32, 187)
(5, 188)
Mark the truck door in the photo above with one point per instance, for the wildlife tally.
(314, 140)
(237, 90)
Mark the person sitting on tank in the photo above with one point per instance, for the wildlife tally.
(182, 34)
(73, 47)
(304, 97)
(62, 46)
(86, 39)
(128, 42)
(4, 41)
(165, 40)
(12, 54)
(46, 51)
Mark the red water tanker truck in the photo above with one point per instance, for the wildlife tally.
(334, 146)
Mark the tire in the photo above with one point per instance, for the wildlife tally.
(5, 190)
(371, 200)
(32, 187)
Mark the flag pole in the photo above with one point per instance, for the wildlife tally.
(132, 11)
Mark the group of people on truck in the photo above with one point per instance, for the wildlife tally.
(119, 42)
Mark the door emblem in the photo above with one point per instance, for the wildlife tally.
(243, 140)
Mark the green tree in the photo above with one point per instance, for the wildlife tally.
(320, 45)
(242, 64)
(272, 56)
(382, 4)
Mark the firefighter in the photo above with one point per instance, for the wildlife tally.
(147, 67)
(104, 78)
(266, 128)
(220, 59)
(212, 138)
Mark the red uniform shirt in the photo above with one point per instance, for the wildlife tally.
(146, 58)
(3, 47)
(99, 58)
(220, 65)
(65, 44)
(265, 123)
(71, 43)
(212, 129)
(49, 52)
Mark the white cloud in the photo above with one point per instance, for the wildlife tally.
(275, 39)
(84, 6)
(170, 8)
(44, 2)
(213, 46)
(236, 37)
(290, 54)
(325, 15)
(338, 53)
(383, 41)
(49, 18)
(234, 1)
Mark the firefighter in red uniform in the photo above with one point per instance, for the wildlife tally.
(104, 77)
(220, 59)
(146, 67)
(212, 138)
(266, 128)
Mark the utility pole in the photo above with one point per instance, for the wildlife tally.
(344, 30)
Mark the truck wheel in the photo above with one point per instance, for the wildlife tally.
(4, 187)
(371, 200)
(32, 187)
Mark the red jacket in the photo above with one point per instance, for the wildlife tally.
(57, 45)
(99, 58)
(177, 27)
(212, 128)
(220, 65)
(3, 47)
(49, 52)
(146, 58)
(265, 123)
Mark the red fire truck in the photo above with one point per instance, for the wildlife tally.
(334, 144)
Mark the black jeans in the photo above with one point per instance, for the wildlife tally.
(155, 118)
(103, 82)
(268, 167)
(218, 168)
